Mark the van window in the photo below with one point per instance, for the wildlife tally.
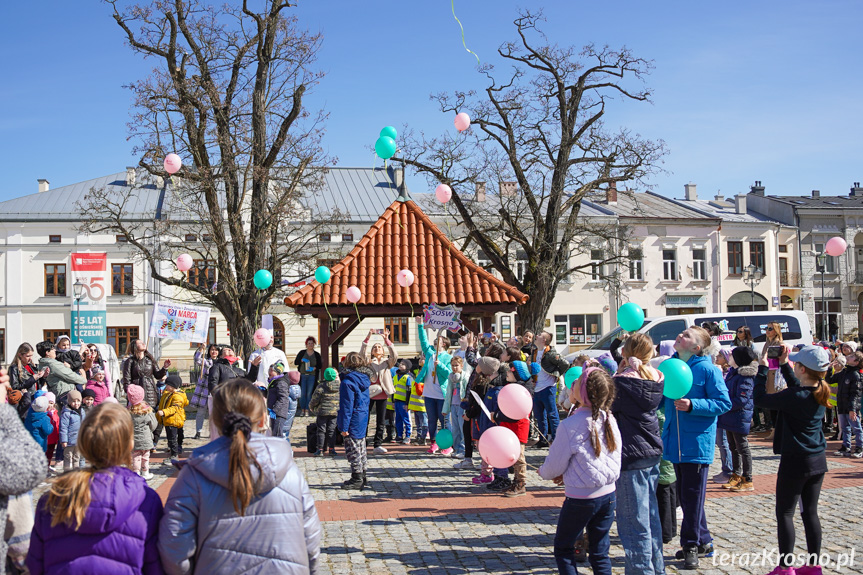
(605, 341)
(729, 326)
(666, 330)
(757, 324)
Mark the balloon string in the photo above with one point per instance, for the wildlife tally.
(359, 319)
(452, 3)
(399, 221)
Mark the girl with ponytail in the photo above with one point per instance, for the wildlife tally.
(800, 443)
(240, 504)
(585, 458)
(103, 518)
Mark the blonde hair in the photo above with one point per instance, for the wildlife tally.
(105, 440)
(640, 346)
(600, 392)
(703, 338)
(777, 331)
(353, 360)
(456, 360)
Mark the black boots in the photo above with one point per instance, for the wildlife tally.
(390, 432)
(355, 482)
(365, 481)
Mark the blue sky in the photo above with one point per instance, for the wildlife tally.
(743, 91)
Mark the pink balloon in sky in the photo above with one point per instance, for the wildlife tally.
(184, 262)
(354, 294)
(173, 163)
(835, 246)
(443, 193)
(462, 122)
(405, 278)
(499, 447)
(515, 401)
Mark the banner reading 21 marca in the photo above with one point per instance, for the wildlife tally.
(89, 312)
(179, 321)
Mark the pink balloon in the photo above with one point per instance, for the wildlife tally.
(515, 401)
(262, 336)
(443, 193)
(462, 122)
(173, 163)
(499, 447)
(354, 294)
(405, 278)
(835, 246)
(184, 262)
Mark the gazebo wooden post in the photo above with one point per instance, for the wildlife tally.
(324, 332)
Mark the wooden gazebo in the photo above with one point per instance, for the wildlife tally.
(403, 238)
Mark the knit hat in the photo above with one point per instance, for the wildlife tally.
(535, 368)
(851, 344)
(61, 338)
(73, 395)
(96, 369)
(488, 366)
(110, 399)
(522, 372)
(40, 404)
(607, 362)
(330, 374)
(279, 368)
(841, 359)
(88, 393)
(174, 381)
(405, 364)
(743, 355)
(135, 393)
(666, 347)
(725, 352)
(51, 397)
(293, 376)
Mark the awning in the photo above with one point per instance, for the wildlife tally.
(686, 300)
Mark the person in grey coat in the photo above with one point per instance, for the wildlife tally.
(214, 523)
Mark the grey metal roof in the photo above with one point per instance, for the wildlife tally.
(824, 202)
(364, 193)
(725, 209)
(432, 207)
(648, 205)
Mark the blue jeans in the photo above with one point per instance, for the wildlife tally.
(307, 383)
(724, 452)
(638, 523)
(848, 427)
(596, 515)
(434, 410)
(403, 419)
(421, 424)
(545, 412)
(455, 424)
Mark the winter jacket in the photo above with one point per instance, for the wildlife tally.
(172, 404)
(585, 476)
(118, 534)
(634, 408)
(72, 357)
(666, 468)
(325, 399)
(696, 428)
(202, 533)
(353, 415)
(70, 423)
(22, 380)
(457, 389)
(442, 369)
(221, 372)
(740, 382)
(38, 423)
(145, 424)
(61, 380)
(100, 388)
(850, 382)
(280, 393)
(54, 416)
(143, 372)
(521, 427)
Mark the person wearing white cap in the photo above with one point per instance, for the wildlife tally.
(800, 443)
(262, 358)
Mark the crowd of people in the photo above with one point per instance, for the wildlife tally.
(622, 451)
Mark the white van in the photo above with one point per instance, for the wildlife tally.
(795, 328)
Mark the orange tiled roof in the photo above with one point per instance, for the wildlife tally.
(404, 237)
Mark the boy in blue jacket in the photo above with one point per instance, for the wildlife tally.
(38, 423)
(353, 417)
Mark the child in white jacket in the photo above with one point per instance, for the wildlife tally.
(585, 458)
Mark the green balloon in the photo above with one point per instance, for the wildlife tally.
(330, 374)
(322, 274)
(678, 378)
(263, 279)
(630, 317)
(572, 374)
(385, 147)
(390, 132)
(444, 439)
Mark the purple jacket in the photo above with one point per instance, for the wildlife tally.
(118, 535)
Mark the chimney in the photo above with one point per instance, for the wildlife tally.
(691, 193)
(611, 194)
(130, 176)
(856, 191)
(816, 194)
(479, 192)
(508, 189)
(44, 185)
(740, 203)
(757, 189)
(718, 197)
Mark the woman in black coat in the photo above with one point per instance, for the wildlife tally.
(24, 376)
(141, 368)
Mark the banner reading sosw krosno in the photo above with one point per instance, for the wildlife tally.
(89, 311)
(179, 321)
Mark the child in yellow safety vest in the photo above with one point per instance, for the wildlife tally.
(402, 382)
(417, 405)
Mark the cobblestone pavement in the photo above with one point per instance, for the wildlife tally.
(422, 516)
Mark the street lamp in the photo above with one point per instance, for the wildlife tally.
(752, 276)
(78, 293)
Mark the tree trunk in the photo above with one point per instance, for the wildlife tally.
(532, 314)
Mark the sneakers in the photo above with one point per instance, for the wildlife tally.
(464, 464)
(148, 476)
(857, 453)
(379, 450)
(843, 451)
(406, 441)
(333, 452)
(434, 448)
(480, 479)
(541, 444)
(447, 452)
(501, 485)
(400, 439)
(703, 551)
(319, 453)
(732, 482)
(743, 485)
(690, 558)
(197, 435)
(808, 570)
(516, 489)
(721, 478)
(784, 571)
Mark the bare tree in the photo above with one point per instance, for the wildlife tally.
(226, 94)
(539, 140)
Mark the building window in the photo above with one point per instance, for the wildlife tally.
(121, 279)
(783, 249)
(756, 254)
(669, 265)
(482, 260)
(324, 238)
(828, 327)
(521, 263)
(398, 327)
(327, 262)
(580, 329)
(830, 268)
(54, 239)
(348, 237)
(596, 268)
(699, 264)
(735, 258)
(206, 238)
(191, 238)
(202, 273)
(52, 334)
(120, 337)
(636, 265)
(121, 238)
(55, 279)
(211, 335)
